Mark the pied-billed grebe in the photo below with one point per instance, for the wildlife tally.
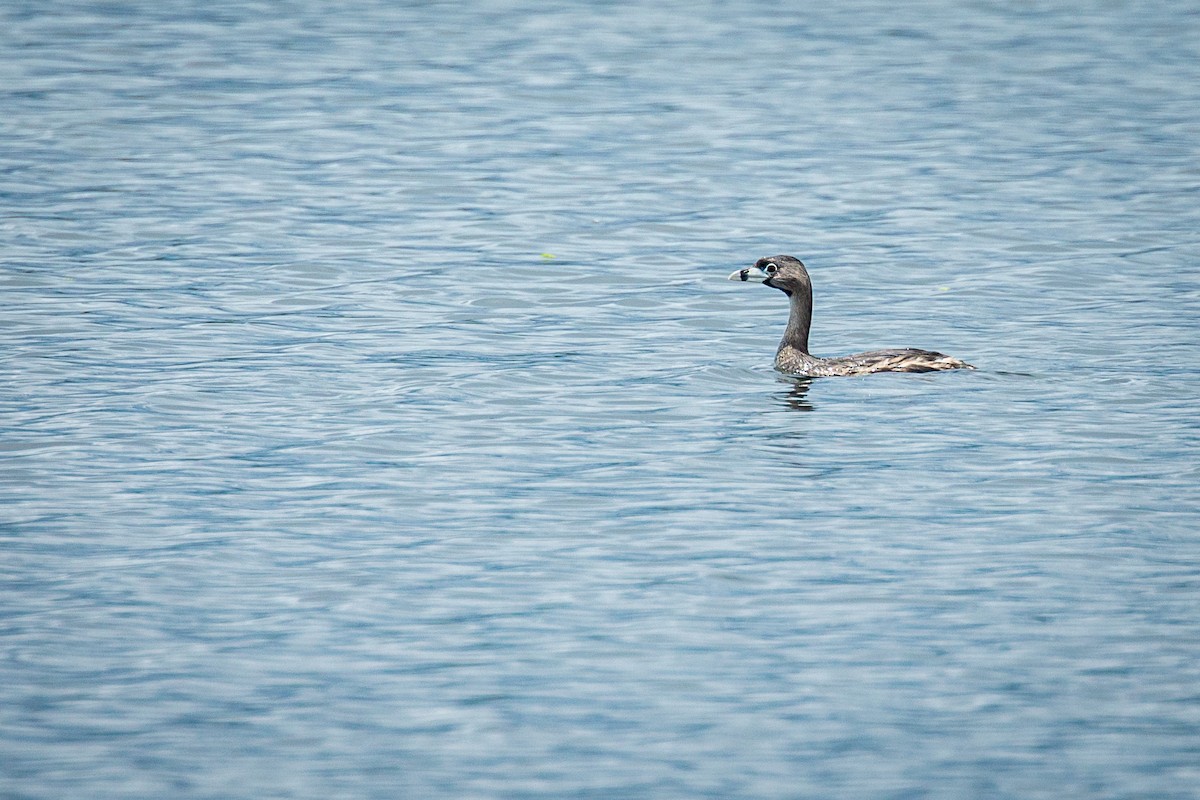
(789, 276)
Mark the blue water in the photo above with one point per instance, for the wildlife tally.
(376, 420)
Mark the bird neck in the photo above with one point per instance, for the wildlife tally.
(796, 334)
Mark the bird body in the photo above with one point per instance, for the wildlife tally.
(788, 275)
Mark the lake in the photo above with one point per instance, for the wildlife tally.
(377, 421)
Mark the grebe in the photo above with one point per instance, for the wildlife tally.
(788, 275)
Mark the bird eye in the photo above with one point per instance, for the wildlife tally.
(772, 269)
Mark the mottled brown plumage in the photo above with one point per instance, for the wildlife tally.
(789, 276)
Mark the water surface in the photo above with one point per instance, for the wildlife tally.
(376, 419)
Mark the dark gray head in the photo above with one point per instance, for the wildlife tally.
(789, 276)
(785, 273)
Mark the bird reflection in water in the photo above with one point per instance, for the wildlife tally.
(796, 398)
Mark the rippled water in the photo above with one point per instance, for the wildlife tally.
(376, 419)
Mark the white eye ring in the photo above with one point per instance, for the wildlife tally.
(771, 269)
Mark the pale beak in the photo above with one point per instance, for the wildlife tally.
(749, 274)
